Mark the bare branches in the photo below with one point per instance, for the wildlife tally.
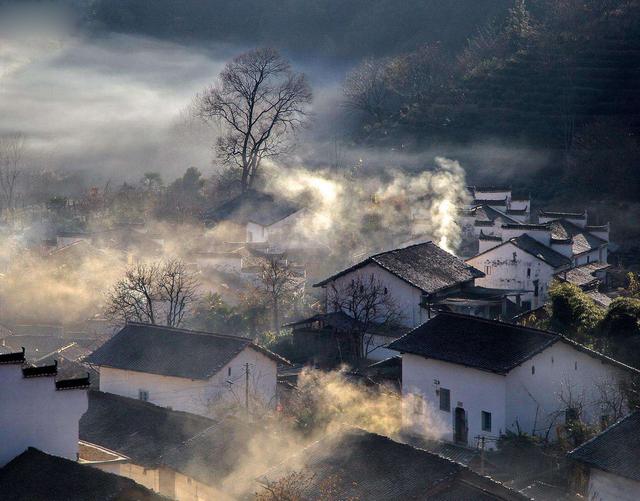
(153, 293)
(259, 102)
(366, 300)
(12, 148)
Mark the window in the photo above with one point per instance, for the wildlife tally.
(528, 272)
(386, 291)
(229, 372)
(535, 288)
(143, 395)
(445, 400)
(486, 421)
(533, 369)
(487, 270)
(575, 366)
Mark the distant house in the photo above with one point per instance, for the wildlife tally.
(483, 378)
(35, 475)
(38, 411)
(257, 217)
(610, 463)
(176, 454)
(356, 464)
(185, 370)
(521, 263)
(590, 278)
(416, 277)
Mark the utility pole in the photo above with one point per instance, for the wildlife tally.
(246, 388)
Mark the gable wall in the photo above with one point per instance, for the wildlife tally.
(472, 389)
(406, 297)
(556, 376)
(34, 414)
(503, 272)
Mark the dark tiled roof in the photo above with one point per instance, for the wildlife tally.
(12, 358)
(525, 226)
(252, 206)
(356, 464)
(425, 266)
(34, 475)
(599, 298)
(483, 344)
(581, 240)
(481, 201)
(73, 384)
(492, 238)
(539, 250)
(41, 371)
(486, 213)
(582, 276)
(560, 215)
(490, 189)
(171, 352)
(531, 246)
(202, 448)
(615, 450)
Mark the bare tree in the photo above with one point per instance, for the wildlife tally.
(278, 284)
(259, 101)
(367, 300)
(153, 293)
(366, 88)
(12, 149)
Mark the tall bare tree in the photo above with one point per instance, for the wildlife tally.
(12, 148)
(367, 300)
(259, 101)
(155, 293)
(278, 284)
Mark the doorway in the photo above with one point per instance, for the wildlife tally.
(460, 426)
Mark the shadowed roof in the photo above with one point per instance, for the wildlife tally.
(356, 464)
(35, 475)
(252, 206)
(581, 240)
(488, 345)
(615, 450)
(170, 351)
(425, 266)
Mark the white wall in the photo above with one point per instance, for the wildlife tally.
(594, 256)
(559, 371)
(195, 395)
(503, 272)
(406, 297)
(605, 486)
(520, 204)
(34, 414)
(377, 350)
(471, 389)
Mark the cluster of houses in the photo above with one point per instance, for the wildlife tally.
(174, 413)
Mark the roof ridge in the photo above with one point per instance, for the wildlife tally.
(187, 331)
(499, 322)
(606, 430)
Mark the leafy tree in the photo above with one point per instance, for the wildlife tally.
(573, 312)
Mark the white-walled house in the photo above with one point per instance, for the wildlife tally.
(482, 377)
(176, 454)
(415, 276)
(520, 263)
(38, 411)
(610, 462)
(185, 370)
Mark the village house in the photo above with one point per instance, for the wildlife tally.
(356, 464)
(257, 217)
(591, 278)
(176, 454)
(186, 370)
(481, 378)
(35, 475)
(608, 465)
(37, 410)
(520, 263)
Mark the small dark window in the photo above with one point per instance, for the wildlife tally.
(535, 288)
(386, 291)
(143, 395)
(533, 369)
(445, 400)
(486, 421)
(551, 359)
(528, 272)
(229, 371)
(588, 259)
(575, 366)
